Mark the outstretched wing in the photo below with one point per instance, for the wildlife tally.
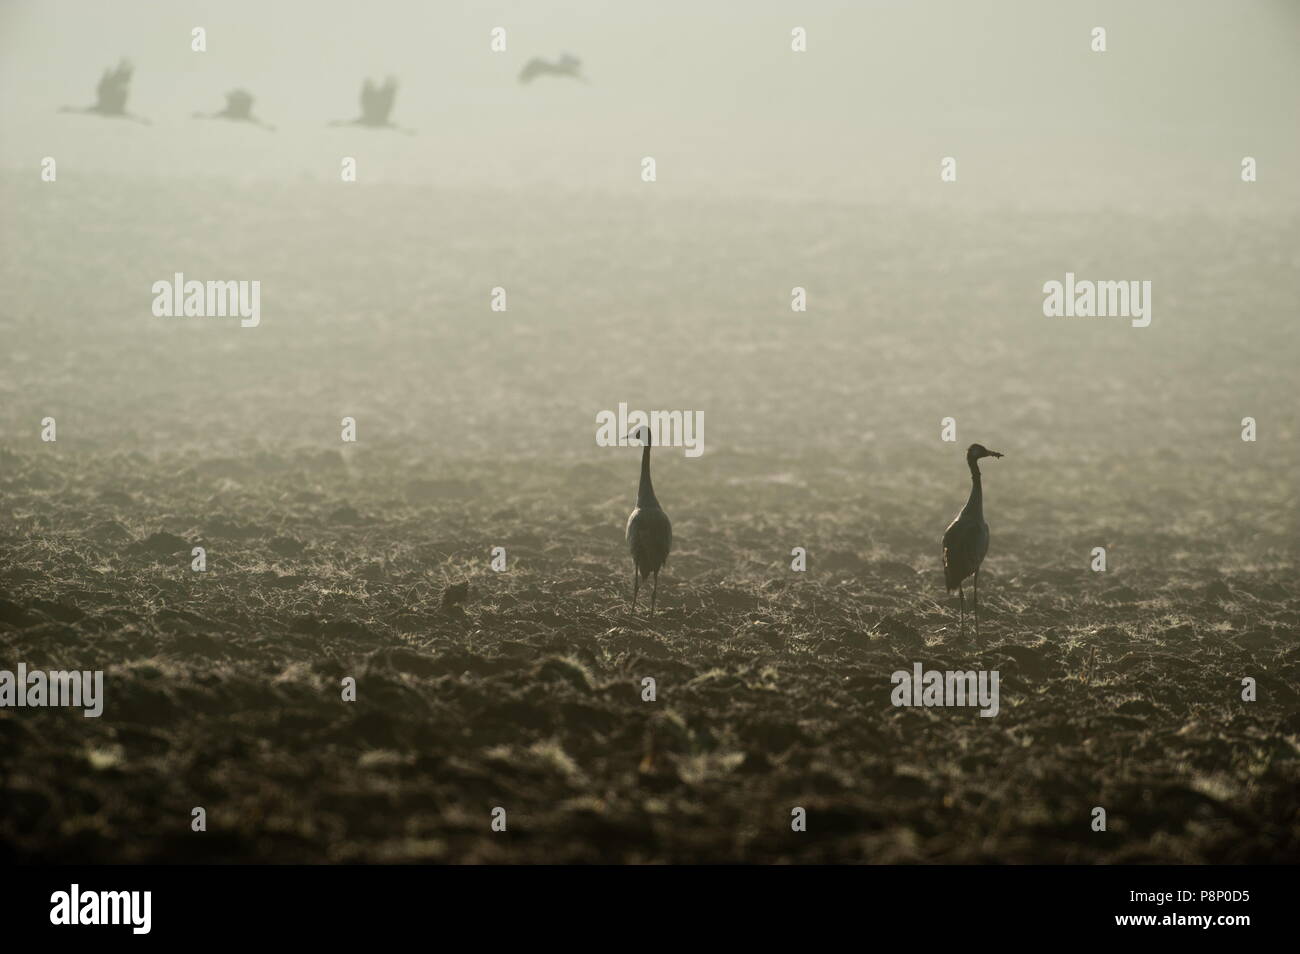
(105, 84)
(110, 94)
(385, 98)
(533, 69)
(369, 97)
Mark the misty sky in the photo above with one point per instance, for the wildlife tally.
(711, 89)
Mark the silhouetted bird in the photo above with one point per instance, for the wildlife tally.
(110, 95)
(376, 105)
(566, 65)
(967, 538)
(649, 531)
(239, 107)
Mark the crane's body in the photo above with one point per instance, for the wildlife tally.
(649, 531)
(966, 541)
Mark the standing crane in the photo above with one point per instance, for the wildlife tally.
(649, 531)
(376, 105)
(967, 538)
(110, 95)
(239, 107)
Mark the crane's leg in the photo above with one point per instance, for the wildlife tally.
(975, 602)
(653, 593)
(961, 595)
(636, 586)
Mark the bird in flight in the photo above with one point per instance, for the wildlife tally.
(110, 95)
(376, 105)
(967, 538)
(239, 108)
(566, 65)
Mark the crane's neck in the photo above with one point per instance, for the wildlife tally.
(645, 492)
(975, 503)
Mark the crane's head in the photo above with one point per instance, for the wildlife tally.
(640, 434)
(977, 451)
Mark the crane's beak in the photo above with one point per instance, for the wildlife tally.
(994, 454)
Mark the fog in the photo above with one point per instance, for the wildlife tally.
(713, 91)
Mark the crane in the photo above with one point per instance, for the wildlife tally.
(649, 531)
(110, 95)
(566, 65)
(967, 538)
(376, 105)
(239, 107)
